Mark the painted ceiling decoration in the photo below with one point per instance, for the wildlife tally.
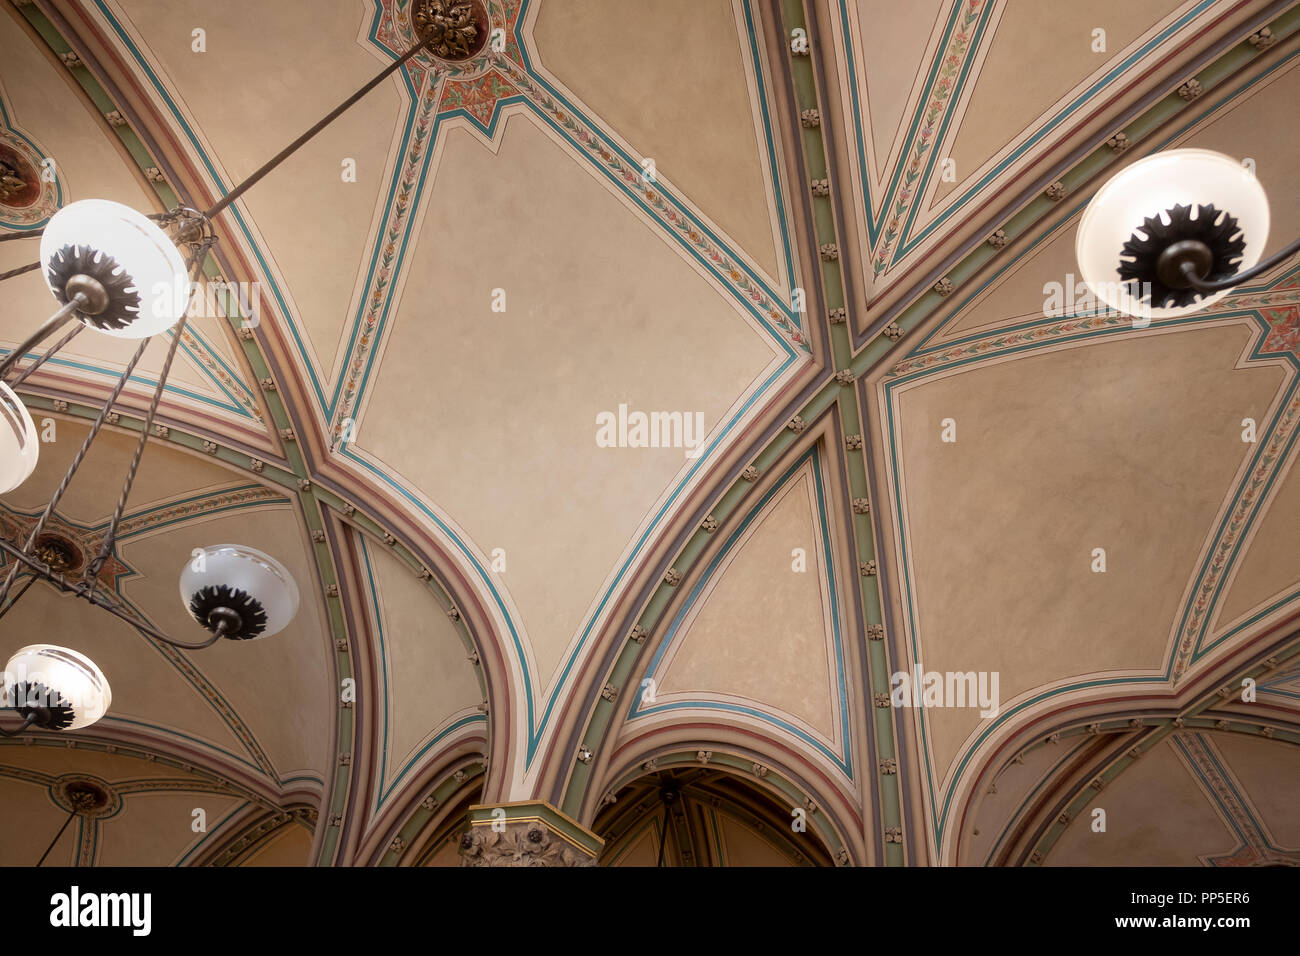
(829, 236)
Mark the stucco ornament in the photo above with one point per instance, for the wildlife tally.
(521, 844)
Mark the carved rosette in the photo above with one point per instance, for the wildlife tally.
(523, 843)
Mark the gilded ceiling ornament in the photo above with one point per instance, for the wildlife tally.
(810, 119)
(637, 634)
(709, 524)
(844, 376)
(704, 756)
(875, 632)
(867, 568)
(673, 578)
(944, 286)
(115, 118)
(1190, 90)
(760, 770)
(829, 251)
(70, 59)
(796, 424)
(853, 442)
(750, 473)
(1056, 191)
(609, 692)
(836, 316)
(997, 239)
(881, 700)
(429, 803)
(584, 754)
(820, 187)
(861, 506)
(451, 29)
(520, 844)
(889, 766)
(893, 834)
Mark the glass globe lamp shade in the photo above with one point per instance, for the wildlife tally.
(60, 681)
(144, 273)
(19, 447)
(1152, 189)
(230, 577)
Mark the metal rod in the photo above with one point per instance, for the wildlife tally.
(1200, 285)
(48, 326)
(52, 350)
(293, 147)
(27, 722)
(21, 270)
(21, 591)
(91, 576)
(60, 581)
(56, 836)
(76, 462)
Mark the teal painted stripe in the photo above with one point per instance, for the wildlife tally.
(1079, 101)
(536, 728)
(842, 760)
(387, 790)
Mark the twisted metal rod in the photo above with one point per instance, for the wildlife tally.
(41, 359)
(76, 462)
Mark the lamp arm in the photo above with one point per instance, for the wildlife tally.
(27, 722)
(1200, 285)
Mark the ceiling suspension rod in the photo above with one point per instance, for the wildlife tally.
(293, 147)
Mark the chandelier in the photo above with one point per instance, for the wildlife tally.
(129, 275)
(1174, 232)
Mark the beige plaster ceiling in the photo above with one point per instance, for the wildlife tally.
(412, 429)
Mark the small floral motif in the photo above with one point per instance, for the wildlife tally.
(709, 524)
(944, 286)
(892, 332)
(997, 239)
(875, 632)
(867, 568)
(810, 119)
(750, 473)
(1118, 143)
(837, 316)
(889, 766)
(829, 251)
(861, 506)
(796, 424)
(1056, 191)
(820, 187)
(673, 578)
(1190, 90)
(844, 376)
(637, 634)
(853, 442)
(1262, 39)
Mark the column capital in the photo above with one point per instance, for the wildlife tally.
(530, 833)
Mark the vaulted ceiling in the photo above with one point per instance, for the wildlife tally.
(832, 258)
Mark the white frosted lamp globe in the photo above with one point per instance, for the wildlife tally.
(63, 685)
(19, 447)
(144, 276)
(1152, 189)
(254, 585)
